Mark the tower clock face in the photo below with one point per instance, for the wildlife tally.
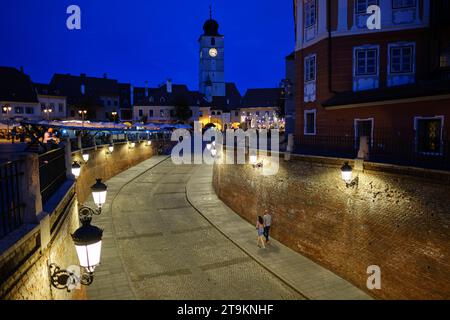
(213, 52)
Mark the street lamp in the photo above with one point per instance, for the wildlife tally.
(82, 114)
(132, 145)
(99, 191)
(7, 109)
(149, 142)
(111, 148)
(346, 174)
(114, 114)
(47, 112)
(76, 169)
(85, 156)
(88, 245)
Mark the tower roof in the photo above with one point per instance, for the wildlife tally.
(211, 26)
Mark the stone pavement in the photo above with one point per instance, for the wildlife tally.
(302, 274)
(157, 246)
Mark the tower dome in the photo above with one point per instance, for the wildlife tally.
(211, 28)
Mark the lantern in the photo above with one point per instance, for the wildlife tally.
(76, 169)
(99, 191)
(88, 244)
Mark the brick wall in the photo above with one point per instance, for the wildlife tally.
(394, 219)
(24, 266)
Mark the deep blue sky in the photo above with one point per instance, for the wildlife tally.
(138, 40)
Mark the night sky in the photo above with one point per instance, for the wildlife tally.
(138, 40)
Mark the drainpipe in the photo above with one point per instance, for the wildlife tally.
(330, 51)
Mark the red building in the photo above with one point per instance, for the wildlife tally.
(391, 84)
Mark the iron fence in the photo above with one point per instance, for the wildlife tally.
(11, 204)
(52, 172)
(394, 146)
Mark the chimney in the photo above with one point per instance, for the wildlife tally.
(131, 95)
(82, 89)
(105, 76)
(169, 85)
(21, 69)
(146, 89)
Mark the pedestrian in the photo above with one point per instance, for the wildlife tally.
(260, 228)
(267, 222)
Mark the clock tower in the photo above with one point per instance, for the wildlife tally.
(212, 68)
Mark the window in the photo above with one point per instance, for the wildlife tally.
(400, 4)
(116, 103)
(363, 128)
(43, 106)
(141, 113)
(257, 113)
(310, 68)
(444, 60)
(161, 113)
(402, 59)
(109, 103)
(366, 62)
(52, 107)
(429, 134)
(213, 113)
(61, 107)
(362, 5)
(310, 122)
(18, 110)
(236, 113)
(219, 113)
(150, 113)
(29, 110)
(213, 41)
(310, 13)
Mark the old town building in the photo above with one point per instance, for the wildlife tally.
(390, 85)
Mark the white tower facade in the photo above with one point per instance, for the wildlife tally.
(212, 58)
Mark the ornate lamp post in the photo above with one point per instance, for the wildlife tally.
(88, 245)
(7, 109)
(346, 174)
(47, 112)
(76, 169)
(82, 114)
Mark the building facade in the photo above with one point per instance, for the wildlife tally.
(18, 98)
(390, 85)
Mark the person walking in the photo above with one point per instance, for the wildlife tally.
(267, 222)
(260, 228)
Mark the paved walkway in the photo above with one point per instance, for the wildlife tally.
(307, 277)
(167, 236)
(157, 246)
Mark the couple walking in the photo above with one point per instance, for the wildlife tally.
(263, 226)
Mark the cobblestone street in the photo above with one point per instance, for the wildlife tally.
(157, 246)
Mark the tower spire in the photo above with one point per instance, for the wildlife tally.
(210, 12)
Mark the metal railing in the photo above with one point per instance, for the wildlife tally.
(52, 172)
(11, 204)
(400, 147)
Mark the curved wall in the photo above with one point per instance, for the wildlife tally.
(397, 218)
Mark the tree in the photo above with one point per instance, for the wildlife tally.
(182, 110)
